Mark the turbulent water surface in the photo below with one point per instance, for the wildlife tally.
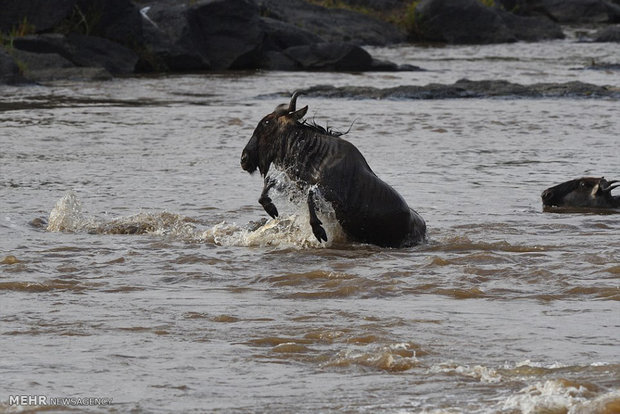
(137, 266)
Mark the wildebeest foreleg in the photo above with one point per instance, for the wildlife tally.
(264, 199)
(317, 229)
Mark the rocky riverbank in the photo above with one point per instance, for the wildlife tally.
(465, 88)
(45, 40)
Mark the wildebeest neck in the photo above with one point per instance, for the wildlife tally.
(303, 150)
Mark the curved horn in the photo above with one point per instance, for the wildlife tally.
(608, 187)
(293, 104)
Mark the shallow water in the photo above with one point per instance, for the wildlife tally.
(135, 265)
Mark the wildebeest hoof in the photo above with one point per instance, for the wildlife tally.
(319, 232)
(271, 210)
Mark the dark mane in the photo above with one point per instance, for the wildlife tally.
(323, 130)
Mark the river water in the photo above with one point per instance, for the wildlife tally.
(136, 265)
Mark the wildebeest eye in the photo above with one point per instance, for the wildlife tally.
(266, 122)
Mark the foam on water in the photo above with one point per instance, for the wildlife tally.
(562, 396)
(287, 231)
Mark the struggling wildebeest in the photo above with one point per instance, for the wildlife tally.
(323, 164)
(585, 192)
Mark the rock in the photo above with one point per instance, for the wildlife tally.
(531, 28)
(333, 25)
(470, 22)
(85, 51)
(274, 60)
(467, 89)
(38, 61)
(97, 51)
(40, 14)
(608, 34)
(227, 32)
(117, 20)
(582, 11)
(168, 44)
(378, 5)
(331, 57)
(45, 67)
(280, 35)
(211, 34)
(9, 71)
(460, 22)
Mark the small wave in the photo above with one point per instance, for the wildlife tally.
(47, 286)
(479, 372)
(390, 358)
(463, 243)
(562, 396)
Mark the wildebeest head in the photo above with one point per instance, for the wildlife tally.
(260, 149)
(582, 192)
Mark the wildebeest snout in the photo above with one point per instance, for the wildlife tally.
(244, 159)
(547, 196)
(248, 162)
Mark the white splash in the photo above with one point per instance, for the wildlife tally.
(290, 230)
(550, 396)
(67, 215)
(479, 372)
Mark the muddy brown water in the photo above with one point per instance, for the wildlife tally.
(135, 265)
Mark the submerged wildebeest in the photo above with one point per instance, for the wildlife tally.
(323, 164)
(585, 192)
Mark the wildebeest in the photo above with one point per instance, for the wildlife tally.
(323, 164)
(585, 192)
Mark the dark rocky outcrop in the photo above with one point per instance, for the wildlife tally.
(9, 71)
(215, 34)
(466, 89)
(232, 34)
(531, 28)
(45, 67)
(582, 11)
(41, 14)
(96, 38)
(471, 22)
(81, 50)
(332, 25)
(330, 56)
(608, 34)
(116, 20)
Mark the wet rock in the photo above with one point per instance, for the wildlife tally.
(531, 28)
(331, 56)
(9, 71)
(85, 51)
(116, 20)
(168, 42)
(40, 14)
(378, 5)
(470, 22)
(280, 35)
(212, 34)
(227, 32)
(466, 89)
(608, 34)
(45, 67)
(344, 57)
(274, 60)
(332, 25)
(460, 22)
(582, 11)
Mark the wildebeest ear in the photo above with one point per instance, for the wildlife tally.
(297, 115)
